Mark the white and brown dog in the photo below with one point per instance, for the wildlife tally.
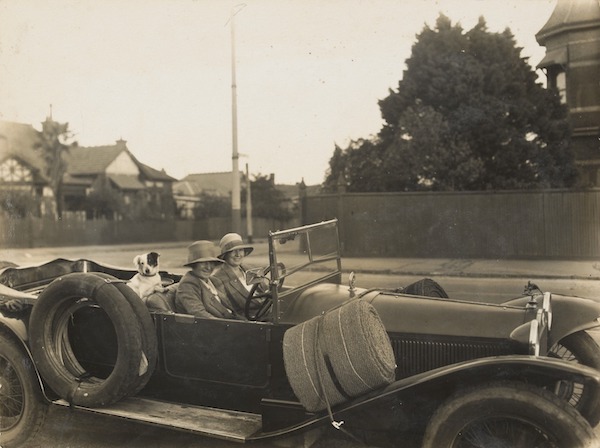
(147, 280)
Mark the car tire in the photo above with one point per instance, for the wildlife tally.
(425, 287)
(506, 414)
(149, 339)
(23, 408)
(49, 339)
(580, 348)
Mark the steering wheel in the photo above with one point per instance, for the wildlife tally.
(265, 306)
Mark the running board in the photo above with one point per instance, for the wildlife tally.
(224, 424)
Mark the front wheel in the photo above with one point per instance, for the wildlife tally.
(580, 348)
(22, 406)
(507, 414)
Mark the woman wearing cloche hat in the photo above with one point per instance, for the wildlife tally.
(231, 275)
(196, 293)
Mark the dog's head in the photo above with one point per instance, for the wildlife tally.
(147, 264)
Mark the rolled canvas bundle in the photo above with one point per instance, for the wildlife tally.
(338, 356)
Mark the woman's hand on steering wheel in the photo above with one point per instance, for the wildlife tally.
(265, 294)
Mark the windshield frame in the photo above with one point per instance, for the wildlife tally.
(276, 276)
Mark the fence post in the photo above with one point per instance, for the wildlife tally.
(341, 193)
(302, 201)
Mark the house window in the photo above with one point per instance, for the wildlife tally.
(561, 86)
(557, 78)
(12, 171)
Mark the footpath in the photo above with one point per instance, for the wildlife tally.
(448, 267)
(459, 267)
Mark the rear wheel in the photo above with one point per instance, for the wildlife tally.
(22, 406)
(582, 349)
(508, 414)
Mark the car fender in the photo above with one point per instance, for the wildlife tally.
(434, 386)
(440, 383)
(17, 329)
(569, 315)
(14, 326)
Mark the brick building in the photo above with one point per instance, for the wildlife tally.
(572, 65)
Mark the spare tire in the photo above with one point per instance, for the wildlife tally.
(50, 343)
(149, 340)
(425, 287)
(341, 355)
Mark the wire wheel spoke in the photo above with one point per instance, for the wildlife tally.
(569, 390)
(11, 396)
(502, 433)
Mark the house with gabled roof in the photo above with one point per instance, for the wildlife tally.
(115, 166)
(88, 169)
(21, 167)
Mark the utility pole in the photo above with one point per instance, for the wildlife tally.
(248, 206)
(236, 216)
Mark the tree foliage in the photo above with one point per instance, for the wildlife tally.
(467, 115)
(267, 201)
(104, 202)
(211, 206)
(19, 204)
(55, 140)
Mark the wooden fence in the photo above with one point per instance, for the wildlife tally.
(537, 224)
(40, 232)
(549, 224)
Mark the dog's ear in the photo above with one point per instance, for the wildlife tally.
(136, 260)
(153, 258)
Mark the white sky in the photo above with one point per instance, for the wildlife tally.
(157, 73)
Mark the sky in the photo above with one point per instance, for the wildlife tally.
(158, 73)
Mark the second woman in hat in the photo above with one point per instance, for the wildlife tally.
(231, 275)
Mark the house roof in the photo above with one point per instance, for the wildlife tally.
(214, 183)
(92, 160)
(18, 141)
(154, 174)
(126, 182)
(85, 181)
(96, 159)
(570, 15)
(220, 184)
(293, 191)
(186, 188)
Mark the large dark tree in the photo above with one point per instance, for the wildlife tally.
(468, 115)
(55, 140)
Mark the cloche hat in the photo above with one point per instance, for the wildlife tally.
(233, 241)
(200, 251)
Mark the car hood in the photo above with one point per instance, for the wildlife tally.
(402, 313)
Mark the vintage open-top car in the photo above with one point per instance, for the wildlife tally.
(381, 365)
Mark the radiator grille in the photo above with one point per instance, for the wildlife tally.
(416, 355)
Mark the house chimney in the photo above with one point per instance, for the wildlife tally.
(121, 142)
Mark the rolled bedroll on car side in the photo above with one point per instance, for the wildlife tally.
(50, 328)
(340, 355)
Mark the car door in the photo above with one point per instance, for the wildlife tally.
(220, 351)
